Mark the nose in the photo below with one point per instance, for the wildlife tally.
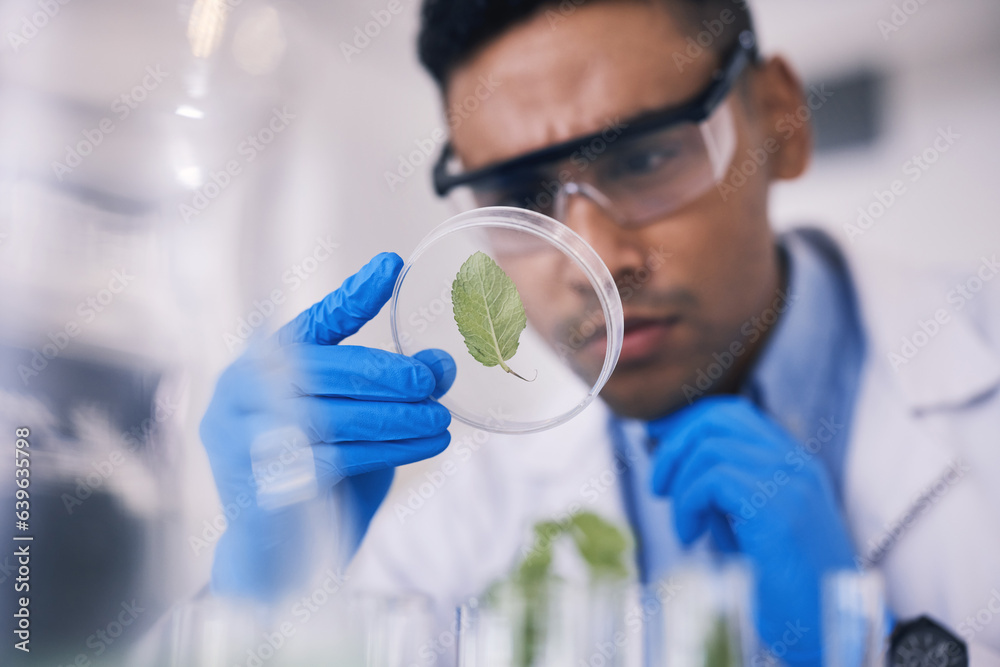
(619, 248)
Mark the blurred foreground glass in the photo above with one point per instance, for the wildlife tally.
(139, 137)
(569, 625)
(213, 631)
(854, 615)
(707, 618)
(355, 629)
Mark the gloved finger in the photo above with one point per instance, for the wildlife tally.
(332, 420)
(361, 373)
(717, 414)
(346, 459)
(722, 534)
(713, 451)
(716, 420)
(348, 308)
(443, 367)
(711, 454)
(719, 490)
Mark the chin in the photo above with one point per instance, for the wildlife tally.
(644, 397)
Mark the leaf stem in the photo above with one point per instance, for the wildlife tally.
(508, 369)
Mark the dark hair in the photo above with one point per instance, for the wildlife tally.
(451, 31)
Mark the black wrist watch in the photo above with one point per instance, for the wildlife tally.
(925, 643)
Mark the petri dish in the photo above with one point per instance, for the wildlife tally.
(574, 331)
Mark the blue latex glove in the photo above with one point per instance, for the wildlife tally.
(732, 472)
(359, 411)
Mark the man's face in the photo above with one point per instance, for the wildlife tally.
(689, 281)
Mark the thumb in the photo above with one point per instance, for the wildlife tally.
(346, 309)
(442, 365)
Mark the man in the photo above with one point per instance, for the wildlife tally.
(761, 400)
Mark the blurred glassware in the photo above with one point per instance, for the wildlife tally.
(570, 624)
(357, 629)
(211, 632)
(140, 140)
(854, 619)
(707, 618)
(390, 631)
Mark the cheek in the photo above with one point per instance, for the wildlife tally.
(719, 250)
(695, 244)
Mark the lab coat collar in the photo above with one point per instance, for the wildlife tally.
(917, 330)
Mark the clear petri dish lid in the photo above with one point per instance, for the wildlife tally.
(574, 331)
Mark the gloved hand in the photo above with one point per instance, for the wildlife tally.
(716, 460)
(356, 413)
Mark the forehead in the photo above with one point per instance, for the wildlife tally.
(563, 74)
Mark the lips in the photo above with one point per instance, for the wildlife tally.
(644, 337)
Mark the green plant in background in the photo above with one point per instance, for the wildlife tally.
(603, 547)
(719, 650)
(488, 311)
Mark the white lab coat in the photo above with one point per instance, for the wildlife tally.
(939, 410)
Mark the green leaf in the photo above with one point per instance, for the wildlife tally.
(601, 544)
(488, 311)
(535, 568)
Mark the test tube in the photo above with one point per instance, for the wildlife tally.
(706, 618)
(854, 619)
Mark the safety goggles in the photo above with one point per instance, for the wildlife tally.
(638, 171)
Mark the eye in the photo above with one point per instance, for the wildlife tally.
(528, 193)
(643, 162)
